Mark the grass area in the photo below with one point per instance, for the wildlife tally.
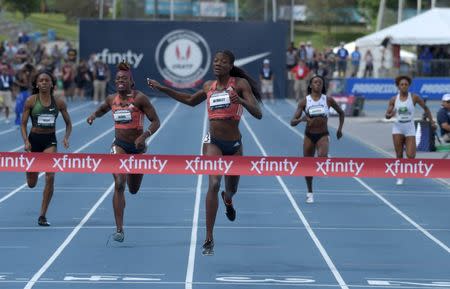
(321, 38)
(42, 22)
(319, 35)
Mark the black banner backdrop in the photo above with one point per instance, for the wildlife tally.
(179, 54)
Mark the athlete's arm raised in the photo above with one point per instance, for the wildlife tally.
(186, 98)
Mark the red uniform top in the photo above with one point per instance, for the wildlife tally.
(219, 102)
(125, 114)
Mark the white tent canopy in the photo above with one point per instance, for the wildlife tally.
(429, 28)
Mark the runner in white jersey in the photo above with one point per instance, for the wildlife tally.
(316, 109)
(402, 106)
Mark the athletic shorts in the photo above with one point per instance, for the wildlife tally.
(41, 141)
(129, 148)
(404, 128)
(228, 148)
(6, 99)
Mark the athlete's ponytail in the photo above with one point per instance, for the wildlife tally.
(239, 72)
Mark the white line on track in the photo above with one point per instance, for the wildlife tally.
(303, 219)
(380, 197)
(374, 147)
(66, 242)
(12, 193)
(224, 228)
(194, 231)
(18, 128)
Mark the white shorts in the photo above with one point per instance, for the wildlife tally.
(404, 128)
(266, 86)
(6, 99)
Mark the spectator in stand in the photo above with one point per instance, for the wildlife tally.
(83, 80)
(309, 55)
(300, 73)
(6, 84)
(68, 76)
(356, 59)
(266, 78)
(101, 78)
(330, 58)
(302, 51)
(443, 118)
(23, 83)
(291, 59)
(342, 54)
(368, 59)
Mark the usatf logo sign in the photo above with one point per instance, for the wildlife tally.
(183, 58)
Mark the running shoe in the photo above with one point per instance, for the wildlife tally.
(208, 248)
(231, 212)
(399, 182)
(42, 221)
(309, 198)
(118, 236)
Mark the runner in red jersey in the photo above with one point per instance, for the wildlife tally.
(128, 108)
(226, 97)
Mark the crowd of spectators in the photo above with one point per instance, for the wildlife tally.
(22, 58)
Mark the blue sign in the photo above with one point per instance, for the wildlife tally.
(385, 88)
(180, 53)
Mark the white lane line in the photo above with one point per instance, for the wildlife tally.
(389, 204)
(303, 219)
(194, 231)
(225, 228)
(66, 242)
(441, 181)
(12, 193)
(404, 216)
(18, 128)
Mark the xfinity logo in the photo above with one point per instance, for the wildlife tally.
(398, 167)
(333, 166)
(129, 56)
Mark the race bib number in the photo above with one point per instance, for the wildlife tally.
(122, 116)
(316, 110)
(207, 138)
(403, 114)
(219, 100)
(46, 120)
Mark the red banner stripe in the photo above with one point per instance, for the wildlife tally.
(224, 165)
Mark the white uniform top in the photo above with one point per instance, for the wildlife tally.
(404, 109)
(317, 108)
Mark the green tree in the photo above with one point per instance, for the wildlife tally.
(75, 9)
(26, 7)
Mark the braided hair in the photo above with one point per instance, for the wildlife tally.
(239, 72)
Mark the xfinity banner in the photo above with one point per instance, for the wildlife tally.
(384, 88)
(179, 54)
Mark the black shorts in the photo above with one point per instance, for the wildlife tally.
(315, 137)
(227, 147)
(129, 148)
(41, 141)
